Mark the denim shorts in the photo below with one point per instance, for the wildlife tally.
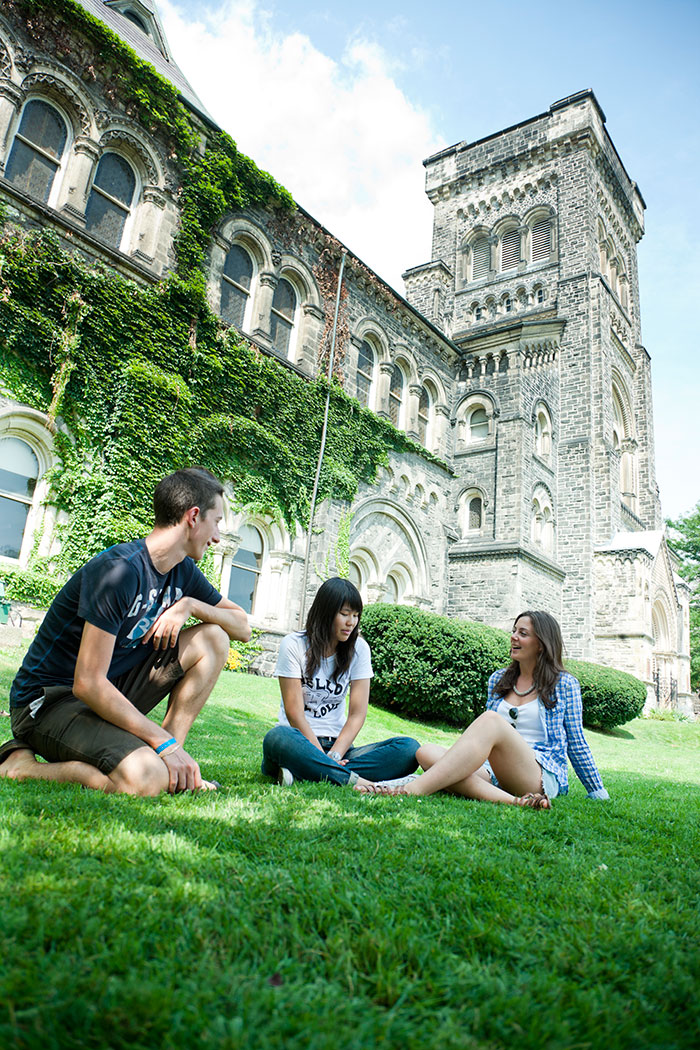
(550, 784)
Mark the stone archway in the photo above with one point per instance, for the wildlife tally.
(389, 552)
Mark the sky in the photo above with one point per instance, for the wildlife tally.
(341, 103)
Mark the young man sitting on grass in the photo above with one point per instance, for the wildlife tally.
(112, 645)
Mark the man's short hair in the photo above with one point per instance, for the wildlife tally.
(191, 487)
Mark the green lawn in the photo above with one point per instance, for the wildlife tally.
(319, 919)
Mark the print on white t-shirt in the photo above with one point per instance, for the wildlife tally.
(324, 697)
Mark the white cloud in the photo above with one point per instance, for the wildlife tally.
(340, 135)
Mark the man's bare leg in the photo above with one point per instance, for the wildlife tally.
(22, 765)
(140, 773)
(203, 652)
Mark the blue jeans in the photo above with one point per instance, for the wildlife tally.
(288, 747)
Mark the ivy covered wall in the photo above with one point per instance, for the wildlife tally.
(138, 381)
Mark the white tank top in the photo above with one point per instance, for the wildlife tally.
(529, 721)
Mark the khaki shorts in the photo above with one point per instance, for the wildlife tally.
(65, 729)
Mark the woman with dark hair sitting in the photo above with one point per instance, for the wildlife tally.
(516, 751)
(317, 667)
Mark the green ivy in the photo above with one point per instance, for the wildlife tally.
(139, 381)
(215, 182)
(29, 588)
(135, 397)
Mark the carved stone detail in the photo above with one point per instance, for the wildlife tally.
(119, 135)
(60, 88)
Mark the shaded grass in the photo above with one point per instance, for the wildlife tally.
(316, 918)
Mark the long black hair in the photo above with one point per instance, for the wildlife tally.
(330, 599)
(549, 659)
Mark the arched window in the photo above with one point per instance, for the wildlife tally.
(475, 421)
(136, 19)
(541, 240)
(624, 444)
(470, 514)
(424, 413)
(355, 576)
(510, 249)
(37, 150)
(284, 307)
(366, 363)
(19, 471)
(478, 424)
(111, 198)
(391, 590)
(542, 521)
(396, 392)
(543, 434)
(481, 258)
(245, 570)
(475, 514)
(235, 285)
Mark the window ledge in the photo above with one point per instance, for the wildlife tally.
(476, 446)
(112, 256)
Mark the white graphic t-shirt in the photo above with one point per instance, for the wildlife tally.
(324, 698)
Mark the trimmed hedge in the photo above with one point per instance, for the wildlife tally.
(610, 697)
(429, 667)
(436, 669)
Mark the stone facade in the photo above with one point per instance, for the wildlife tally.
(516, 359)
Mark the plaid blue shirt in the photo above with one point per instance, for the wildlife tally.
(563, 735)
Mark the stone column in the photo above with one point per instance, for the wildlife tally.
(224, 552)
(279, 565)
(524, 232)
(80, 168)
(386, 369)
(219, 251)
(414, 392)
(441, 420)
(310, 337)
(147, 225)
(10, 102)
(375, 593)
(267, 282)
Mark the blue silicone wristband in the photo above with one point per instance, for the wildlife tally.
(167, 743)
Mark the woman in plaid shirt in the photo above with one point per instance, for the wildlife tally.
(516, 751)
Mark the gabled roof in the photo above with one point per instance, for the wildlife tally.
(635, 541)
(152, 46)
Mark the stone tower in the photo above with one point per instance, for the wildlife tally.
(534, 277)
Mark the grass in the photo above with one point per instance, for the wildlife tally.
(315, 918)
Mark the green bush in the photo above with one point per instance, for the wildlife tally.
(430, 667)
(610, 698)
(427, 666)
(30, 588)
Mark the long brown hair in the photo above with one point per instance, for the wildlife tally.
(330, 599)
(549, 659)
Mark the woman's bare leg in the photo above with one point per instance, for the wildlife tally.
(477, 786)
(488, 737)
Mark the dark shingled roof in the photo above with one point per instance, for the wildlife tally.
(156, 51)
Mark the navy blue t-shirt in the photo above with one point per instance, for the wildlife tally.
(121, 592)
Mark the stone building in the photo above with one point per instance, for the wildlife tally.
(515, 358)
